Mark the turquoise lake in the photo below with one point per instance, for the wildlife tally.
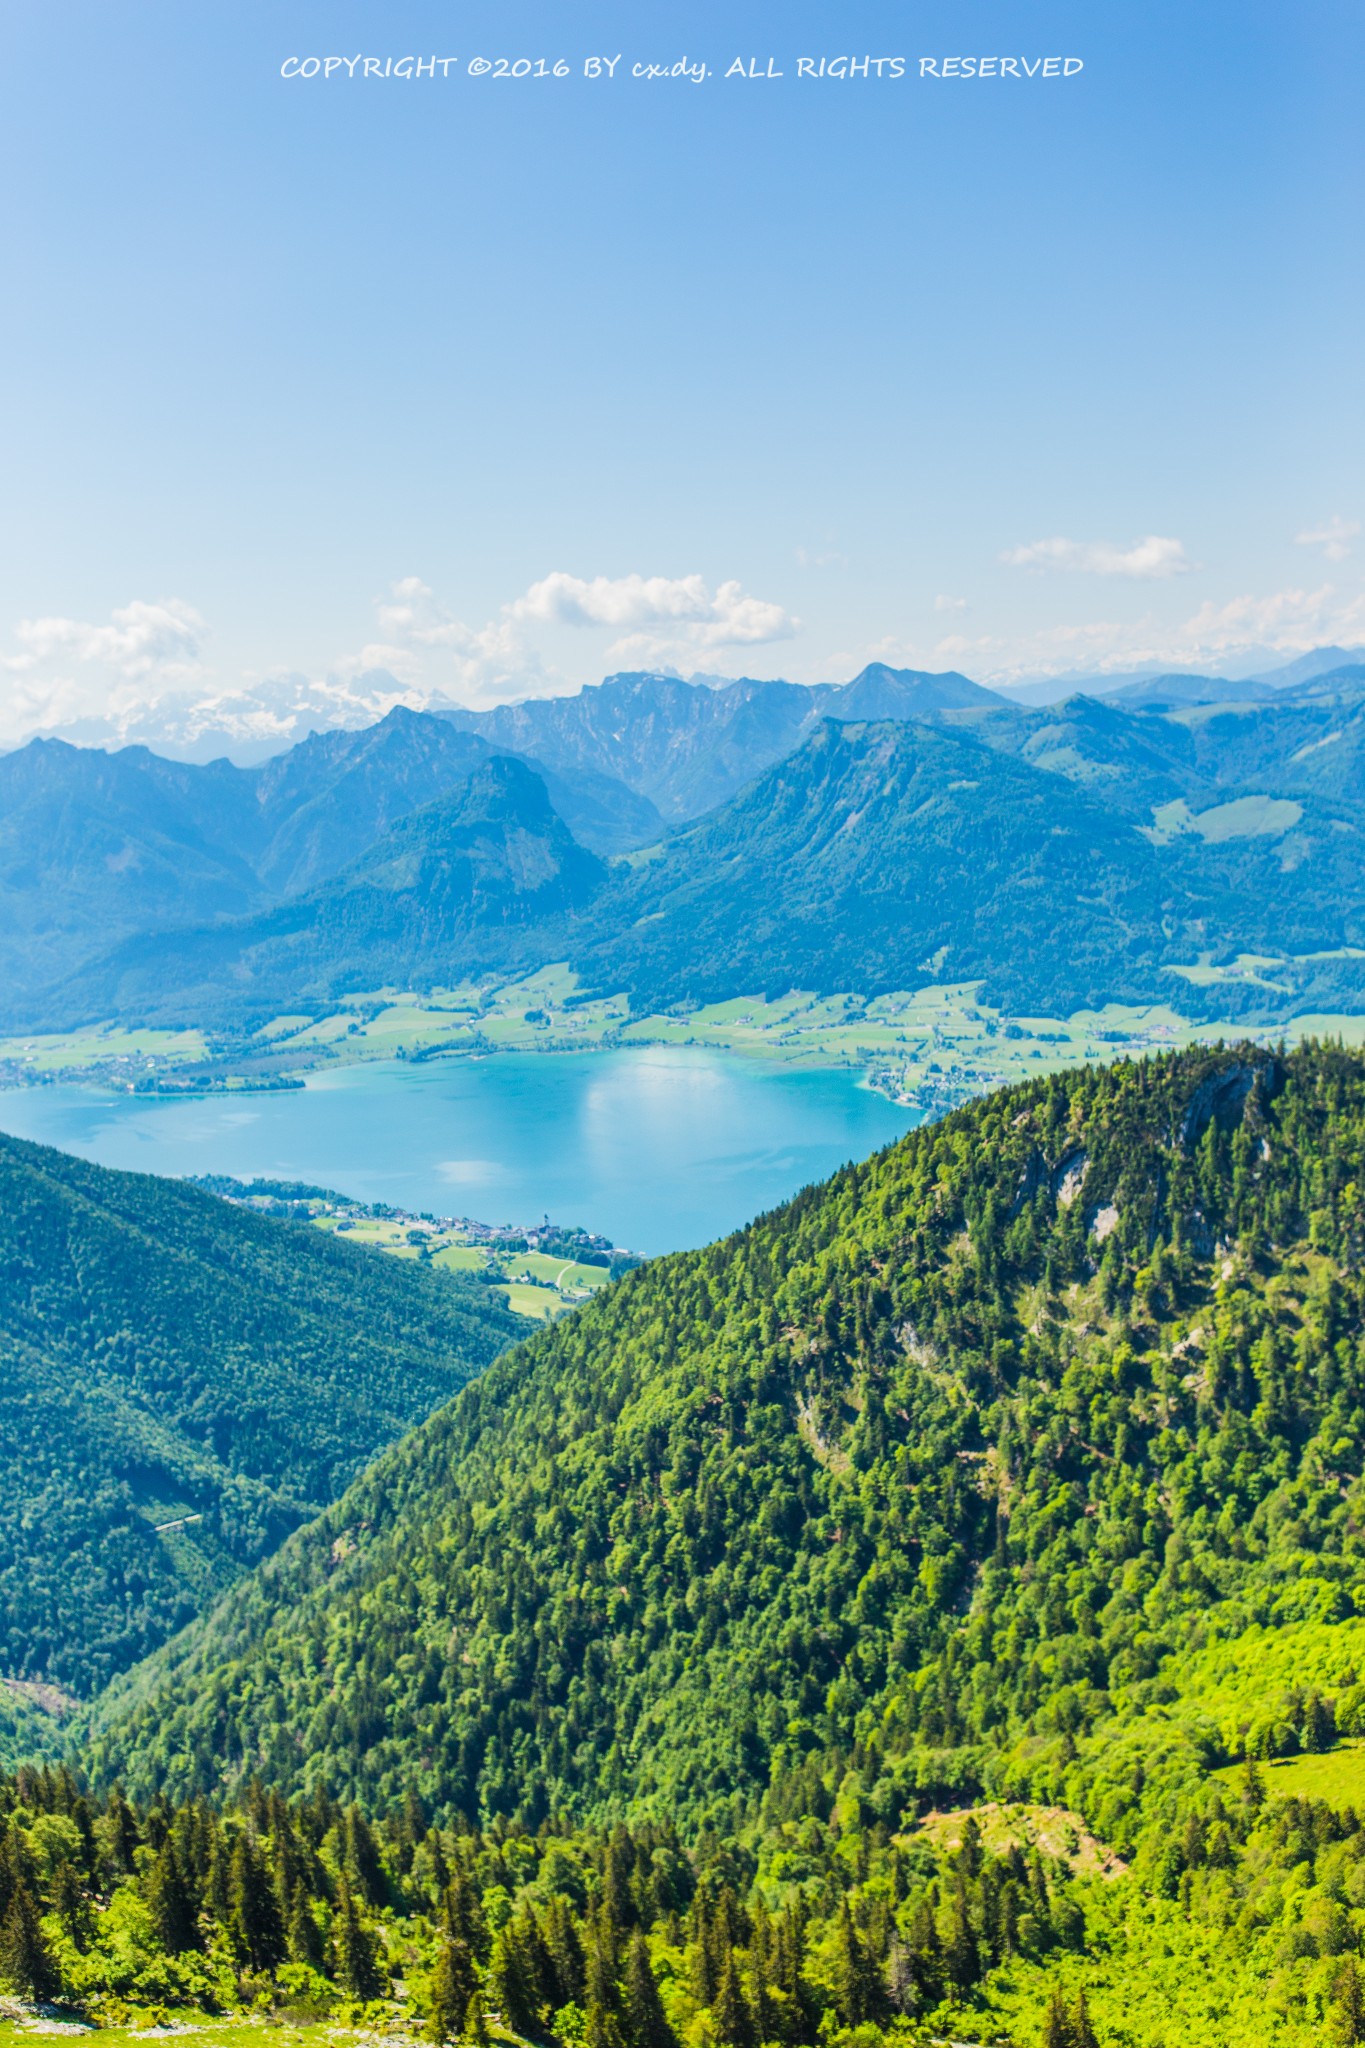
(660, 1148)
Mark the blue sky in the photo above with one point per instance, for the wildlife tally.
(501, 383)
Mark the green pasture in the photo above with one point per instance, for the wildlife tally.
(933, 1046)
(529, 1300)
(461, 1258)
(99, 1045)
(561, 1273)
(1336, 1776)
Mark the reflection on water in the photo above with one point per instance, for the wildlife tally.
(659, 1147)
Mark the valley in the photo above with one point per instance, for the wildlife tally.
(929, 1047)
(914, 1595)
(932, 1612)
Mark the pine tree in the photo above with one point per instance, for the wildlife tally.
(607, 1944)
(72, 1906)
(172, 1902)
(1348, 2018)
(364, 1871)
(357, 1964)
(1082, 2032)
(1057, 2028)
(253, 1909)
(475, 2023)
(12, 1870)
(620, 1866)
(453, 1985)
(1007, 1920)
(1253, 1783)
(26, 1962)
(440, 1870)
(790, 1950)
(961, 1952)
(305, 1939)
(709, 1945)
(257, 1806)
(599, 1968)
(412, 1828)
(730, 2010)
(642, 2016)
(512, 1989)
(856, 1985)
(218, 1882)
(902, 1984)
(601, 2027)
(120, 1832)
(462, 1915)
(565, 1954)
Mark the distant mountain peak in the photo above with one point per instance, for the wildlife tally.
(880, 691)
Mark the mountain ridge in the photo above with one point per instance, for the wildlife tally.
(1238, 820)
(774, 1503)
(168, 1355)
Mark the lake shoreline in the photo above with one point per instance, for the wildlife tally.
(658, 1148)
(926, 1050)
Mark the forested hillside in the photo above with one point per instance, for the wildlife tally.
(472, 881)
(822, 1932)
(1018, 1470)
(183, 1383)
(96, 846)
(881, 856)
(1060, 866)
(931, 1471)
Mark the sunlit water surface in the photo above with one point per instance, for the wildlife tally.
(659, 1148)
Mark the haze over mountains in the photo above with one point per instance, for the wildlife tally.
(252, 724)
(680, 842)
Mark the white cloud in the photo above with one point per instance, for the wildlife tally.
(950, 604)
(141, 641)
(115, 680)
(657, 620)
(1285, 618)
(1334, 537)
(423, 643)
(666, 612)
(1284, 622)
(1154, 556)
(959, 647)
(68, 669)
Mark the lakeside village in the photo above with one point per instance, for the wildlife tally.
(541, 1268)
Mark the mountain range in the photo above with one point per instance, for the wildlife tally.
(680, 842)
(688, 749)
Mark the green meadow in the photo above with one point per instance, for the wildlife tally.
(532, 1283)
(1337, 1776)
(933, 1046)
